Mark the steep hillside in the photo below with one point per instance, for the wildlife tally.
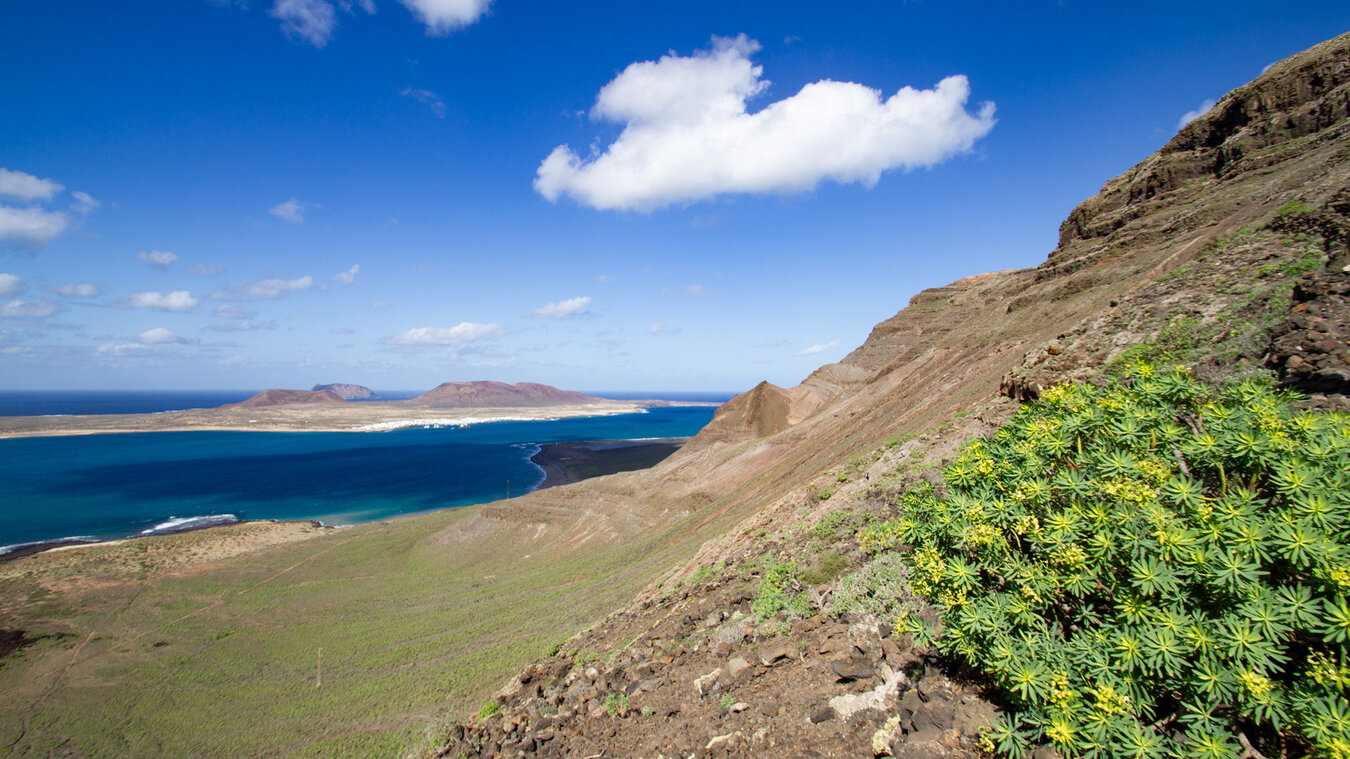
(1192, 255)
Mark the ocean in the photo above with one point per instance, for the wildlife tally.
(102, 487)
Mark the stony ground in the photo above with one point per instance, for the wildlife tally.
(708, 680)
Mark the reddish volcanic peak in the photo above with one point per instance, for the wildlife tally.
(487, 393)
(278, 397)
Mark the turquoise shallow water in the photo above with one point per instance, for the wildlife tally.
(111, 486)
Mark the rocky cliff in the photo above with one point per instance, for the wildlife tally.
(346, 391)
(1197, 254)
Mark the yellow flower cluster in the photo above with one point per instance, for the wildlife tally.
(1258, 685)
(1327, 671)
(1130, 491)
(1107, 701)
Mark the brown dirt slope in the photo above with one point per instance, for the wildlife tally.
(1191, 255)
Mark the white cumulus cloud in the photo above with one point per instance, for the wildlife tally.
(562, 309)
(160, 259)
(445, 337)
(26, 187)
(311, 21)
(445, 16)
(79, 290)
(178, 300)
(31, 228)
(162, 336)
(688, 136)
(10, 284)
(1190, 116)
(818, 348)
(292, 210)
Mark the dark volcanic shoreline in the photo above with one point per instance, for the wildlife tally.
(565, 463)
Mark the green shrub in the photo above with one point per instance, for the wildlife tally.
(1155, 568)
(780, 590)
(880, 588)
(616, 704)
(832, 526)
(490, 709)
(827, 566)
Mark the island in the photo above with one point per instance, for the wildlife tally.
(451, 404)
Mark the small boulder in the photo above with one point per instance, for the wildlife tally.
(855, 668)
(773, 652)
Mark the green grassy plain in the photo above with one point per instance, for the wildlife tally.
(224, 660)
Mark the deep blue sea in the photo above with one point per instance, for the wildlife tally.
(101, 487)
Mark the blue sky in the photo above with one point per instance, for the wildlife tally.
(205, 194)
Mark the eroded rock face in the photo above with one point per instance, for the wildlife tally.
(1313, 353)
(1298, 98)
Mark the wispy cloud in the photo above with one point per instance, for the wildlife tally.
(29, 309)
(162, 336)
(426, 97)
(818, 348)
(178, 300)
(10, 285)
(292, 210)
(242, 325)
(311, 21)
(435, 338)
(160, 259)
(271, 289)
(688, 135)
(79, 290)
(346, 277)
(315, 21)
(232, 312)
(84, 202)
(205, 271)
(697, 291)
(1190, 116)
(562, 309)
